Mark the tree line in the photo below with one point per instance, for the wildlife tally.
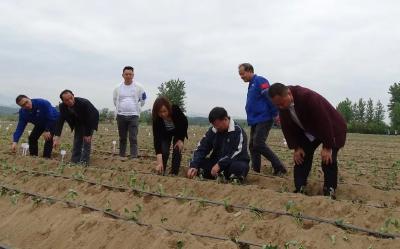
(365, 116)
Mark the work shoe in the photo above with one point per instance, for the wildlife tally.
(280, 172)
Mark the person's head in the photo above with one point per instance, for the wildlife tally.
(219, 118)
(24, 102)
(280, 95)
(127, 74)
(161, 108)
(246, 71)
(67, 98)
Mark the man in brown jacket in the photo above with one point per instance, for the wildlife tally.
(309, 120)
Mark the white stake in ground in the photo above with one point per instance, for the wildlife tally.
(284, 142)
(25, 148)
(63, 152)
(114, 143)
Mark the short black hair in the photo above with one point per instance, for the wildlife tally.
(127, 68)
(277, 89)
(20, 97)
(64, 92)
(247, 67)
(217, 113)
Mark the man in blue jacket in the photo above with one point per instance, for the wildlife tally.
(260, 117)
(228, 143)
(43, 116)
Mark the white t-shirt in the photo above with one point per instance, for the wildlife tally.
(128, 100)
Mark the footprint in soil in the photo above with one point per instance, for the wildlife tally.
(147, 198)
(307, 224)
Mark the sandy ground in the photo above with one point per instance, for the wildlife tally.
(368, 195)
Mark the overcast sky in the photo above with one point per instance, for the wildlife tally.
(337, 48)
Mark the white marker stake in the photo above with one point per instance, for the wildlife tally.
(62, 152)
(25, 148)
(114, 143)
(29, 133)
(284, 142)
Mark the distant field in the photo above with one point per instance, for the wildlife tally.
(368, 197)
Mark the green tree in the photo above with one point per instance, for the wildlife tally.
(345, 108)
(175, 91)
(103, 114)
(394, 91)
(396, 116)
(145, 117)
(379, 114)
(361, 110)
(369, 115)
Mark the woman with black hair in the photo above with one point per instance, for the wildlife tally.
(169, 125)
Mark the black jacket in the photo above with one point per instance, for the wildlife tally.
(225, 146)
(86, 115)
(160, 132)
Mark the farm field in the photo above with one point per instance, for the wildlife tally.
(124, 204)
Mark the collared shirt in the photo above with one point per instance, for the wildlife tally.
(296, 119)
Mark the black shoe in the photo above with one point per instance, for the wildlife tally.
(301, 190)
(331, 192)
(236, 179)
(280, 172)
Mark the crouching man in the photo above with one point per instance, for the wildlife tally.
(227, 142)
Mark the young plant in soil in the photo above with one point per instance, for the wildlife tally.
(14, 197)
(71, 195)
(134, 213)
(295, 211)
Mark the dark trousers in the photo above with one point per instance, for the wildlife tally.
(176, 154)
(302, 171)
(128, 125)
(237, 169)
(258, 147)
(33, 142)
(80, 149)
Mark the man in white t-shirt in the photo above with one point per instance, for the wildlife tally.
(128, 97)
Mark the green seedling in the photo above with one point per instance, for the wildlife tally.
(36, 201)
(202, 203)
(132, 180)
(3, 191)
(108, 206)
(160, 189)
(228, 207)
(288, 244)
(71, 195)
(295, 211)
(78, 176)
(390, 225)
(133, 214)
(333, 239)
(164, 219)
(14, 197)
(270, 246)
(179, 244)
(242, 228)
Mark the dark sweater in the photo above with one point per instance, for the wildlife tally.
(160, 132)
(317, 116)
(83, 114)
